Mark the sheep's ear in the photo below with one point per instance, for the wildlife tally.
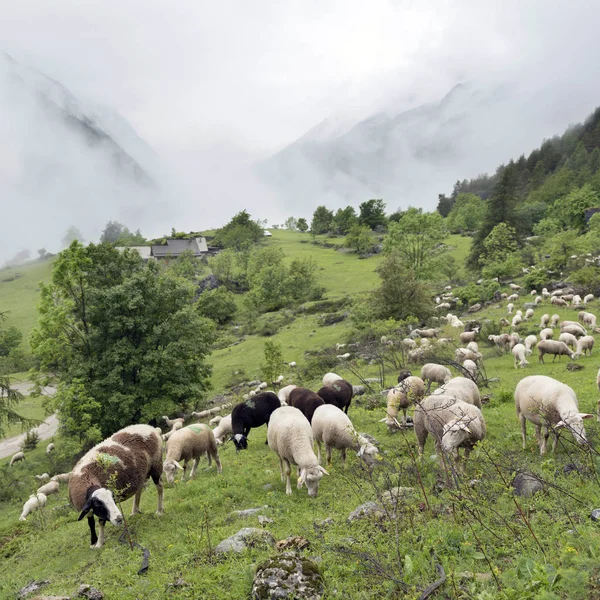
(178, 465)
(361, 451)
(586, 416)
(86, 509)
(560, 425)
(465, 427)
(323, 471)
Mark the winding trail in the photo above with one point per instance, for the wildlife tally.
(45, 430)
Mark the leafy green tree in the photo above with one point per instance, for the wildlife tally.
(444, 205)
(467, 213)
(240, 231)
(571, 209)
(72, 234)
(9, 399)
(111, 232)
(273, 361)
(10, 338)
(344, 220)
(302, 280)
(501, 241)
(302, 225)
(372, 214)
(291, 224)
(186, 265)
(360, 239)
(416, 239)
(124, 338)
(223, 266)
(218, 304)
(322, 221)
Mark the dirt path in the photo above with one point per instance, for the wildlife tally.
(46, 430)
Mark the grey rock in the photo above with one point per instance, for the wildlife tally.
(87, 591)
(31, 587)
(595, 515)
(268, 486)
(373, 380)
(368, 509)
(526, 485)
(262, 520)
(324, 523)
(287, 577)
(248, 512)
(396, 494)
(248, 537)
(358, 390)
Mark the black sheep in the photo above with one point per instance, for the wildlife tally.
(253, 412)
(403, 375)
(339, 393)
(306, 401)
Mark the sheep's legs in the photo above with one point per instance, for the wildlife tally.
(195, 466)
(523, 429)
(100, 541)
(92, 526)
(545, 433)
(319, 443)
(218, 462)
(288, 481)
(160, 493)
(404, 417)
(343, 457)
(328, 453)
(281, 468)
(136, 503)
(209, 461)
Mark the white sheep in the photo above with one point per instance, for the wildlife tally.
(546, 334)
(35, 502)
(332, 427)
(576, 300)
(544, 321)
(554, 319)
(548, 404)
(409, 343)
(473, 346)
(215, 420)
(284, 392)
(514, 286)
(530, 341)
(513, 339)
(263, 385)
(62, 477)
(16, 458)
(330, 378)
(533, 293)
(574, 329)
(190, 444)
(467, 336)
(509, 308)
(545, 293)
(555, 348)
(456, 322)
(588, 298)
(223, 429)
(453, 423)
(461, 388)
(344, 356)
(516, 321)
(513, 297)
(433, 372)
(500, 341)
(50, 448)
(409, 391)
(519, 352)
(462, 354)
(569, 339)
(587, 318)
(292, 365)
(558, 301)
(172, 422)
(43, 477)
(48, 488)
(528, 314)
(471, 368)
(585, 345)
(537, 300)
(290, 436)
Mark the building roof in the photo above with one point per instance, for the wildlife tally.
(144, 251)
(176, 247)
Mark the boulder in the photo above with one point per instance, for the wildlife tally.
(368, 509)
(526, 484)
(287, 577)
(248, 512)
(248, 537)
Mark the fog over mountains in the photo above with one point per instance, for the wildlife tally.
(409, 156)
(64, 161)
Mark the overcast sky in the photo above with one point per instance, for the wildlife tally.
(200, 80)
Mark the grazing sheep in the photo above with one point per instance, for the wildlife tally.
(513, 339)
(50, 448)
(544, 321)
(456, 322)
(537, 300)
(558, 301)
(462, 354)
(404, 374)
(35, 502)
(292, 365)
(585, 345)
(514, 286)
(453, 424)
(62, 477)
(519, 352)
(284, 392)
(190, 444)
(432, 372)
(513, 297)
(425, 333)
(528, 314)
(549, 405)
(500, 341)
(471, 368)
(467, 336)
(554, 319)
(555, 348)
(306, 401)
(215, 420)
(574, 329)
(516, 321)
(509, 308)
(223, 429)
(43, 477)
(576, 300)
(530, 341)
(345, 356)
(533, 292)
(48, 488)
(461, 388)
(587, 318)
(128, 458)
(569, 339)
(588, 298)
(16, 458)
(252, 413)
(290, 436)
(425, 342)
(338, 393)
(333, 428)
(172, 422)
(409, 343)
(546, 334)
(408, 391)
(473, 346)
(330, 378)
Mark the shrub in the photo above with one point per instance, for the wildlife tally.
(30, 441)
(218, 305)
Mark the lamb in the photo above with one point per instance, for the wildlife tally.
(519, 352)
(467, 336)
(223, 429)
(471, 368)
(306, 401)
(549, 405)
(544, 321)
(284, 392)
(35, 502)
(530, 341)
(43, 477)
(49, 488)
(554, 319)
(556, 348)
(332, 427)
(172, 422)
(252, 413)
(453, 423)
(16, 458)
(588, 298)
(290, 436)
(546, 334)
(528, 314)
(128, 458)
(339, 394)
(509, 308)
(330, 378)
(433, 372)
(50, 448)
(407, 392)
(569, 339)
(461, 388)
(585, 345)
(62, 477)
(190, 444)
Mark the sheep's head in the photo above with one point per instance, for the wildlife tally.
(101, 503)
(240, 441)
(311, 478)
(574, 423)
(369, 453)
(170, 468)
(455, 434)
